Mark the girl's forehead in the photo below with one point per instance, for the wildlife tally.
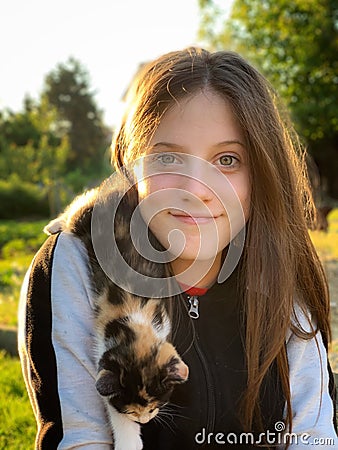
(190, 102)
(205, 117)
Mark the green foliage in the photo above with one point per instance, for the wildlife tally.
(21, 199)
(30, 146)
(68, 90)
(31, 164)
(18, 128)
(213, 25)
(53, 148)
(21, 246)
(32, 150)
(17, 425)
(11, 230)
(296, 45)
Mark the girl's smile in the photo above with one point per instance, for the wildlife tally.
(193, 219)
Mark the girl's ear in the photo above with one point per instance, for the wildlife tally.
(107, 383)
(176, 372)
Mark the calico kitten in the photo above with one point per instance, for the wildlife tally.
(137, 365)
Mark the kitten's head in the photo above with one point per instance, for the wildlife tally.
(140, 389)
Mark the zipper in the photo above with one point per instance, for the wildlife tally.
(193, 310)
(211, 401)
(211, 409)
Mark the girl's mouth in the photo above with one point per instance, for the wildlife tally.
(193, 219)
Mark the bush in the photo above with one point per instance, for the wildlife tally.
(13, 232)
(78, 181)
(20, 199)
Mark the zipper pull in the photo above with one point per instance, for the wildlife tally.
(193, 310)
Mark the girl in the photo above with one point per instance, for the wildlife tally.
(216, 162)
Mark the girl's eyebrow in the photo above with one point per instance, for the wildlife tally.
(165, 144)
(177, 146)
(230, 142)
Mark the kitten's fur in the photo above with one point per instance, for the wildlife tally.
(137, 366)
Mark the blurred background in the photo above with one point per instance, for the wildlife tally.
(65, 67)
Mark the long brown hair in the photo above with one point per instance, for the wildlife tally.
(280, 266)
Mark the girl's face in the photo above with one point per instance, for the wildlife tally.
(193, 183)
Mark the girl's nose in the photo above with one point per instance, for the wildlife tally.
(194, 188)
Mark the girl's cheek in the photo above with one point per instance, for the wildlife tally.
(156, 183)
(142, 189)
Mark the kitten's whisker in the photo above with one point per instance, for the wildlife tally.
(168, 410)
(162, 421)
(176, 407)
(166, 415)
(172, 414)
(173, 405)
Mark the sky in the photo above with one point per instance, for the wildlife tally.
(109, 37)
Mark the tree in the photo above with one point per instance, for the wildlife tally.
(30, 151)
(29, 146)
(68, 89)
(296, 45)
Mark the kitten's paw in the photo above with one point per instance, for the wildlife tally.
(138, 443)
(131, 443)
(127, 434)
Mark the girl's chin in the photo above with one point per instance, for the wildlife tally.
(194, 271)
(193, 253)
(198, 259)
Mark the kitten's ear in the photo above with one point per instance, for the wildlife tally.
(176, 372)
(107, 383)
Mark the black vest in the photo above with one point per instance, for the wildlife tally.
(207, 405)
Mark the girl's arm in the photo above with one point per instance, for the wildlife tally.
(56, 347)
(312, 405)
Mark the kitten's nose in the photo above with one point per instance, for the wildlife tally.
(144, 418)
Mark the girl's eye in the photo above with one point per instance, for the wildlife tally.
(228, 161)
(166, 158)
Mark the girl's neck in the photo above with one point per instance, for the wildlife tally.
(201, 274)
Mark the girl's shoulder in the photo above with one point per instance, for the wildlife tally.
(61, 252)
(68, 248)
(76, 218)
(301, 320)
(62, 249)
(58, 277)
(70, 233)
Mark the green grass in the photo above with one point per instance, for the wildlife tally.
(11, 275)
(17, 425)
(22, 237)
(18, 243)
